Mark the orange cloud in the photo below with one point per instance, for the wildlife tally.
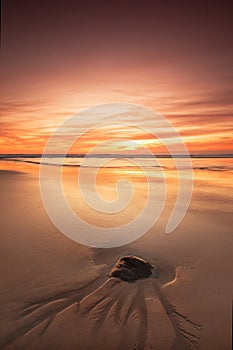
(202, 120)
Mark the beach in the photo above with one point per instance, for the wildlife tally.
(56, 293)
(116, 175)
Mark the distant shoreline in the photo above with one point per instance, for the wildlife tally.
(39, 155)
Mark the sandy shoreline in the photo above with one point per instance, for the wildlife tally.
(44, 274)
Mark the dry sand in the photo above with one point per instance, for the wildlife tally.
(56, 294)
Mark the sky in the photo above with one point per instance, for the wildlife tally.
(61, 57)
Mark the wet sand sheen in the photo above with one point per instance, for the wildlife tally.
(57, 294)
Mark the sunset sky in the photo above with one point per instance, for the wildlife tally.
(60, 57)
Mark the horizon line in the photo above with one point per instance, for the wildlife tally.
(109, 155)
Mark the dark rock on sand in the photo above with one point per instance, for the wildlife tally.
(131, 268)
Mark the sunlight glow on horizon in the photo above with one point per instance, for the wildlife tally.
(31, 135)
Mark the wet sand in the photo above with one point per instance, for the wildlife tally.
(57, 294)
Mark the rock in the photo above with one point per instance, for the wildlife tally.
(131, 268)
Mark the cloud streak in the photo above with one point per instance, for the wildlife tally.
(174, 60)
